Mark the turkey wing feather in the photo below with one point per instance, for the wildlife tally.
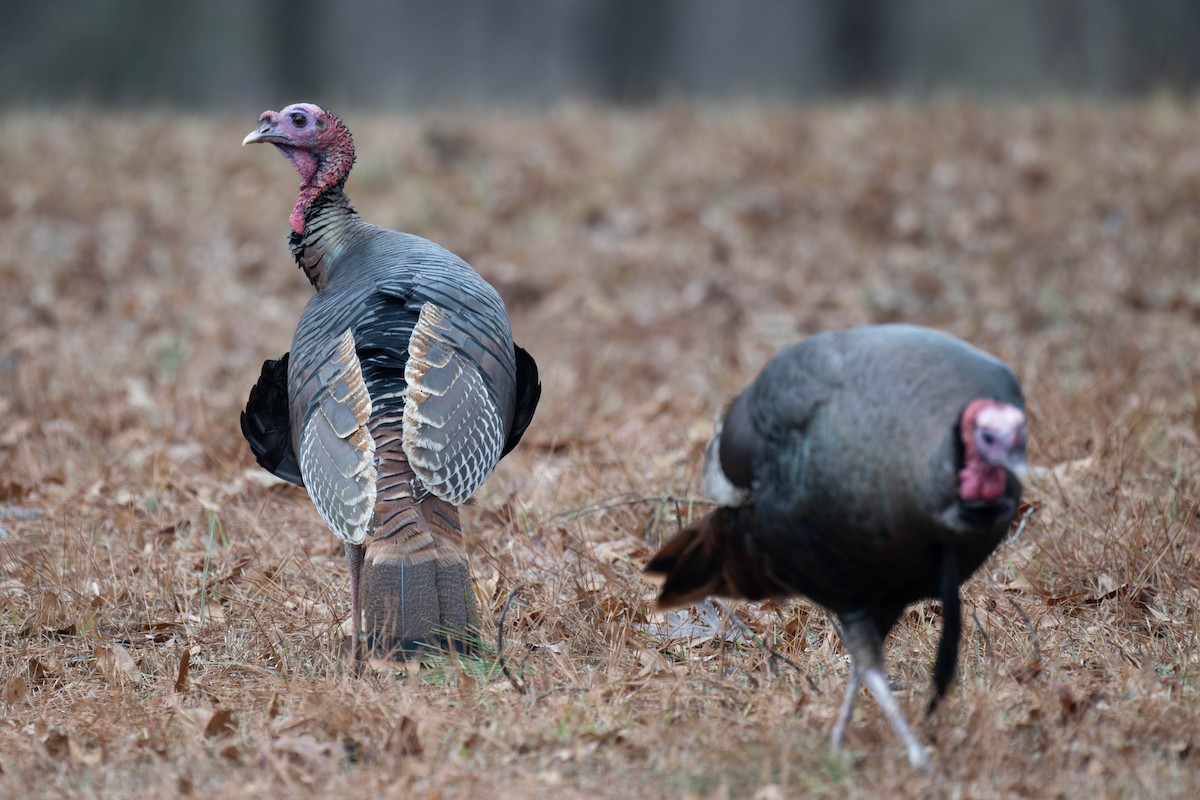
(453, 431)
(337, 451)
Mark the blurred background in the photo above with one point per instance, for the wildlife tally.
(414, 53)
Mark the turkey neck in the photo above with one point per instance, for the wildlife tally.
(330, 222)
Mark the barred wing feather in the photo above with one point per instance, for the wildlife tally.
(337, 451)
(453, 431)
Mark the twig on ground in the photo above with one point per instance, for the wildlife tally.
(560, 689)
(1029, 509)
(678, 518)
(20, 513)
(626, 499)
(518, 680)
(987, 641)
(1037, 651)
(212, 533)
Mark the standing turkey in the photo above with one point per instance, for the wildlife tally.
(401, 392)
(865, 469)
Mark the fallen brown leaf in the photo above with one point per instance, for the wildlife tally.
(116, 661)
(221, 723)
(89, 757)
(403, 739)
(43, 671)
(301, 748)
(16, 690)
(185, 661)
(15, 432)
(57, 745)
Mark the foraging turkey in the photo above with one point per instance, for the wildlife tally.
(401, 392)
(865, 469)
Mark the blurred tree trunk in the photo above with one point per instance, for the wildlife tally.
(629, 48)
(294, 38)
(858, 30)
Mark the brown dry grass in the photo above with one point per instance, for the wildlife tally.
(652, 262)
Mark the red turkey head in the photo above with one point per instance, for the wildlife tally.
(317, 144)
(1000, 436)
(993, 435)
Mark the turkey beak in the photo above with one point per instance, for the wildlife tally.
(260, 134)
(1016, 461)
(266, 132)
(1019, 467)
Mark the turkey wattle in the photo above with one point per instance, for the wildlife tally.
(865, 469)
(401, 392)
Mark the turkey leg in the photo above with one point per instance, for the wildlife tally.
(354, 558)
(863, 641)
(846, 711)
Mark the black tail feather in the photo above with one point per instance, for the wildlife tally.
(947, 656)
(529, 391)
(266, 422)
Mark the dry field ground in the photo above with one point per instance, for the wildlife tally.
(170, 616)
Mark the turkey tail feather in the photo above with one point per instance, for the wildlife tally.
(947, 654)
(414, 607)
(266, 425)
(689, 565)
(416, 588)
(529, 391)
(713, 557)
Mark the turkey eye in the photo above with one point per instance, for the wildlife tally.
(988, 438)
(298, 120)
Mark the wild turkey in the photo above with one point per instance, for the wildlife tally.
(865, 469)
(401, 392)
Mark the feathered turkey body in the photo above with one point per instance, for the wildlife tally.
(865, 469)
(401, 392)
